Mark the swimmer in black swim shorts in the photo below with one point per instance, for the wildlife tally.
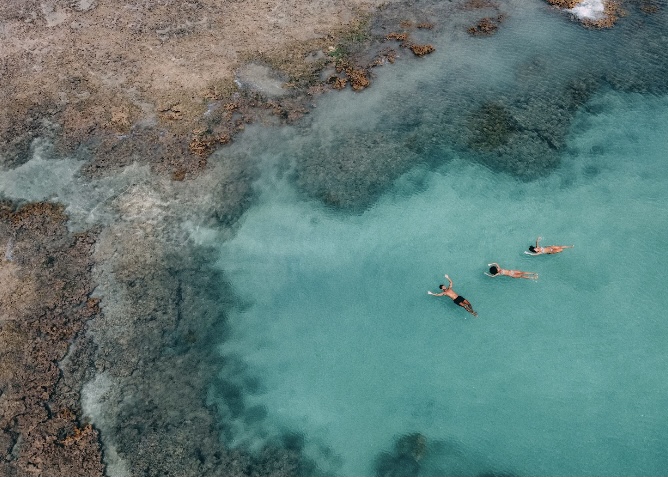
(458, 299)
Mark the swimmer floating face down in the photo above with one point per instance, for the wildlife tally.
(548, 249)
(495, 270)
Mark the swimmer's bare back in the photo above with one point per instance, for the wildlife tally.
(495, 270)
(458, 299)
(547, 250)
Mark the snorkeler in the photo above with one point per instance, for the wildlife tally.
(495, 270)
(538, 250)
(459, 300)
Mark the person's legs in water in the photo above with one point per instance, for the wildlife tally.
(464, 303)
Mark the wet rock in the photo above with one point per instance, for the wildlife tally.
(486, 26)
(421, 50)
(46, 286)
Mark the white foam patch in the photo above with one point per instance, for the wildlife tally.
(93, 396)
(589, 10)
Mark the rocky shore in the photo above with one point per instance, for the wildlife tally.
(108, 332)
(45, 356)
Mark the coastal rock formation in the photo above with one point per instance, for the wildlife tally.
(591, 13)
(45, 304)
(486, 26)
(154, 84)
(121, 70)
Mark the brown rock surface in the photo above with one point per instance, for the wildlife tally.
(112, 75)
(44, 306)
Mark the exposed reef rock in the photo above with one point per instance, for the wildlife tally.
(486, 26)
(45, 303)
(418, 50)
(564, 3)
(421, 50)
(591, 13)
(143, 73)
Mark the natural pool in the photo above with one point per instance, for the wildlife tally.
(332, 347)
(335, 341)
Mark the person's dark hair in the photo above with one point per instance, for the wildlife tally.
(532, 249)
(441, 286)
(493, 270)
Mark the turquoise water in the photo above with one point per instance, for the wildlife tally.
(561, 376)
(335, 339)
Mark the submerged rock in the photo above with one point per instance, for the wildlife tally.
(409, 450)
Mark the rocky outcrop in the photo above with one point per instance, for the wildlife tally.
(45, 303)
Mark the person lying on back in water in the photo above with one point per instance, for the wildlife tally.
(549, 249)
(459, 300)
(495, 270)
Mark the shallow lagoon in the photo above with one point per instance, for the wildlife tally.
(563, 376)
(335, 349)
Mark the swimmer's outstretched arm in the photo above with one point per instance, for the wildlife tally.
(449, 281)
(538, 240)
(435, 294)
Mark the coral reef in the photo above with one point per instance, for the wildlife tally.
(413, 455)
(612, 11)
(494, 126)
(156, 343)
(486, 26)
(45, 287)
(421, 50)
(352, 174)
(564, 3)
(592, 14)
(405, 458)
(418, 50)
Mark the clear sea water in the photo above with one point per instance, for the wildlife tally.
(334, 344)
(562, 376)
